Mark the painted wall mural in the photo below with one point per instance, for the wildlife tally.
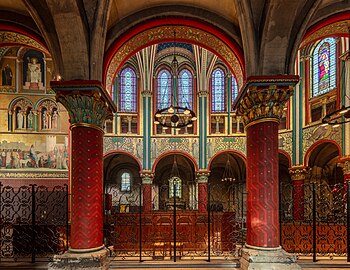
(50, 154)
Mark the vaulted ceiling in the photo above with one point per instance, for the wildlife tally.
(78, 33)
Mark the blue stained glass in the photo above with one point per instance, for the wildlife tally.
(164, 89)
(127, 101)
(185, 90)
(234, 92)
(324, 67)
(218, 91)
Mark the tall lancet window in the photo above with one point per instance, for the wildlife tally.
(127, 101)
(324, 67)
(164, 89)
(185, 89)
(218, 91)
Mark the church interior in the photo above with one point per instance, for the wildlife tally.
(174, 130)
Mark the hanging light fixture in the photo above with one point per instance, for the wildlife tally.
(228, 173)
(174, 116)
(341, 116)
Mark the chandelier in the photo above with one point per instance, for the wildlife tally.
(174, 116)
(337, 117)
(228, 173)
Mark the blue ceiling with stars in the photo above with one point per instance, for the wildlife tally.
(182, 45)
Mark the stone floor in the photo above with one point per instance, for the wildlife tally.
(339, 264)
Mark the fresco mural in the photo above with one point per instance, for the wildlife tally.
(45, 155)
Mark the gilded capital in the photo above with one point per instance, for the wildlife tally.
(147, 176)
(298, 172)
(264, 98)
(345, 163)
(202, 176)
(86, 102)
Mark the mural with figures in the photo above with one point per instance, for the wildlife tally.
(45, 155)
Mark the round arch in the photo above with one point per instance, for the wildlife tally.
(241, 155)
(287, 156)
(113, 152)
(175, 152)
(314, 146)
(161, 30)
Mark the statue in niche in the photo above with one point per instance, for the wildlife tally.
(30, 119)
(54, 120)
(19, 120)
(6, 75)
(34, 71)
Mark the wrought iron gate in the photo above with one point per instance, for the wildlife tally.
(33, 222)
(314, 219)
(175, 228)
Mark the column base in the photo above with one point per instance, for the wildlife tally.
(267, 260)
(97, 260)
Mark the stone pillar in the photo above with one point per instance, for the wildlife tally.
(88, 106)
(261, 106)
(147, 180)
(298, 175)
(202, 181)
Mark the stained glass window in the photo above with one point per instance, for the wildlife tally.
(218, 91)
(185, 89)
(163, 89)
(125, 182)
(127, 101)
(176, 183)
(324, 67)
(234, 93)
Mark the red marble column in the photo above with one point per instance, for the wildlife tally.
(298, 175)
(88, 105)
(202, 180)
(147, 200)
(262, 185)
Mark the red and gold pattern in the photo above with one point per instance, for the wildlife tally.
(298, 175)
(262, 185)
(87, 172)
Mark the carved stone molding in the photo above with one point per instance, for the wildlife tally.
(298, 172)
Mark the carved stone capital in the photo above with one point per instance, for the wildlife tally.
(203, 93)
(86, 102)
(146, 93)
(147, 177)
(298, 172)
(264, 98)
(202, 176)
(345, 162)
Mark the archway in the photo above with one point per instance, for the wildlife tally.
(227, 201)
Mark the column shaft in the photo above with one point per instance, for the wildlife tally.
(262, 185)
(87, 172)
